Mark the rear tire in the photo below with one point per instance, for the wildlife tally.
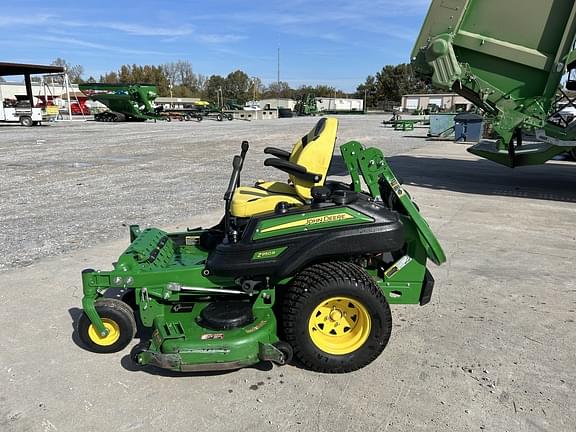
(118, 318)
(219, 117)
(26, 121)
(336, 318)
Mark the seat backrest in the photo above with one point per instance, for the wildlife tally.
(314, 152)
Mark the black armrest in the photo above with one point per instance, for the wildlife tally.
(293, 169)
(279, 153)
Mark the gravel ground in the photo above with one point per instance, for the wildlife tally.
(70, 185)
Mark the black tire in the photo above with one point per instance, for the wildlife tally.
(129, 298)
(168, 119)
(219, 117)
(137, 350)
(287, 352)
(114, 313)
(187, 117)
(199, 118)
(327, 281)
(26, 121)
(230, 117)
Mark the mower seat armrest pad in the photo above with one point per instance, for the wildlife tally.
(279, 153)
(293, 169)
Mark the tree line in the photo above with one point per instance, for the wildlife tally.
(178, 79)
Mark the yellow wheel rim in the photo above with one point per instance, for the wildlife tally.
(112, 336)
(339, 325)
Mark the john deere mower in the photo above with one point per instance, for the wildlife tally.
(305, 268)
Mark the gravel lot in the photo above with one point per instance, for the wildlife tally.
(71, 185)
(493, 352)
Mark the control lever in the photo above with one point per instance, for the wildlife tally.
(245, 147)
(237, 164)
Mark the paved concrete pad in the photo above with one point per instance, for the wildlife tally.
(494, 350)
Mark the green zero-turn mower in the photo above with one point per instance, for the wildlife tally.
(308, 267)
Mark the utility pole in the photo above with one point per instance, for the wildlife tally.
(278, 88)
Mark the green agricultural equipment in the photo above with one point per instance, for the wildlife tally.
(204, 109)
(508, 58)
(126, 102)
(307, 268)
(405, 125)
(306, 105)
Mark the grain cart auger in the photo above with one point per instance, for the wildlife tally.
(126, 102)
(508, 58)
(307, 268)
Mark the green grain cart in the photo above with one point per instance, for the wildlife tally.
(126, 102)
(509, 58)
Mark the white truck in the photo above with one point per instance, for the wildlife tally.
(19, 111)
(20, 108)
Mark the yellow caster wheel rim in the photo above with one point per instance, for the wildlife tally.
(112, 336)
(339, 325)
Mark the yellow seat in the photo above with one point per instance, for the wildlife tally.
(248, 201)
(313, 152)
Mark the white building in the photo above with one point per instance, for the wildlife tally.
(444, 101)
(9, 90)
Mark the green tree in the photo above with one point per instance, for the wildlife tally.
(390, 84)
(109, 78)
(236, 86)
(213, 85)
(136, 74)
(320, 90)
(368, 90)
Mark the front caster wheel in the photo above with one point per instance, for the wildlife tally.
(287, 352)
(137, 350)
(336, 318)
(118, 319)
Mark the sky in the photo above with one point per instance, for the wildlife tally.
(333, 42)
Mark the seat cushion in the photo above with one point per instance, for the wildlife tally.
(248, 201)
(276, 187)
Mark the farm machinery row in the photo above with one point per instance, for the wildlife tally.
(136, 102)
